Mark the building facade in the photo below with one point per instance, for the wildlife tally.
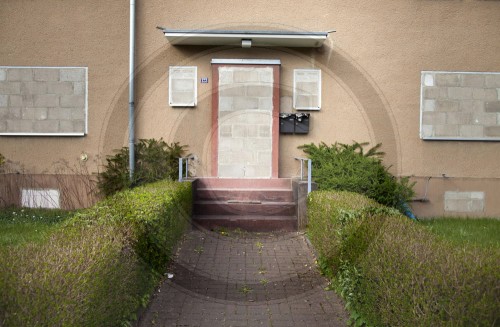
(420, 77)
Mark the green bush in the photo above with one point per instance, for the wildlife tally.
(100, 266)
(2, 160)
(394, 272)
(154, 160)
(348, 168)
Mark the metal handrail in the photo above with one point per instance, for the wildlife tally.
(309, 172)
(181, 164)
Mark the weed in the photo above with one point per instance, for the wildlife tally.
(259, 246)
(245, 289)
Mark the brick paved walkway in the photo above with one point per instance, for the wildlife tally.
(244, 279)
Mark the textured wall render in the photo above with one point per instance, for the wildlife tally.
(43, 100)
(460, 106)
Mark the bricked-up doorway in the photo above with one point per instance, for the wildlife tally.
(245, 118)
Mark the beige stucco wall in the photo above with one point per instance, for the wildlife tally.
(371, 76)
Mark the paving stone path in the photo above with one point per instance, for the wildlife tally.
(244, 279)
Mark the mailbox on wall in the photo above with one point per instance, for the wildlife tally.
(294, 123)
(301, 123)
(287, 123)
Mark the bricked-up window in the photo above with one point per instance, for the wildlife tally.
(182, 86)
(460, 106)
(307, 89)
(43, 101)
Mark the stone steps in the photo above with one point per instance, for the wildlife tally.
(250, 204)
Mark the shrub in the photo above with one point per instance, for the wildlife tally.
(2, 160)
(155, 160)
(394, 272)
(100, 266)
(349, 168)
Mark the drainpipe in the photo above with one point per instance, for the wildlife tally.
(131, 124)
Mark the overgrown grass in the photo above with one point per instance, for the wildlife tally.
(393, 271)
(98, 267)
(22, 225)
(484, 232)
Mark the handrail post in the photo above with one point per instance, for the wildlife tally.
(309, 175)
(180, 169)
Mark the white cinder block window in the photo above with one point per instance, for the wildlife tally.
(307, 89)
(182, 86)
(40, 198)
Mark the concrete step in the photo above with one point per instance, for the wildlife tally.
(252, 223)
(244, 207)
(228, 194)
(244, 183)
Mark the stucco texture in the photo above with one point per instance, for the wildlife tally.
(371, 68)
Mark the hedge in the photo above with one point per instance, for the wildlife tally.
(100, 266)
(394, 272)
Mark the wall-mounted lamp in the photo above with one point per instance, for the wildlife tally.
(246, 43)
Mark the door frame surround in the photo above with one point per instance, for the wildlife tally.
(275, 64)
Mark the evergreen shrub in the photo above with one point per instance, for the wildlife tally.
(154, 160)
(349, 168)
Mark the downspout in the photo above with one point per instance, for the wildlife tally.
(131, 123)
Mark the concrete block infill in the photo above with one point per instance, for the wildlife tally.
(59, 113)
(61, 88)
(245, 75)
(434, 118)
(34, 88)
(472, 106)
(34, 113)
(4, 100)
(429, 80)
(460, 93)
(427, 131)
(492, 106)
(447, 79)
(19, 74)
(446, 130)
(46, 126)
(447, 105)
(259, 90)
(492, 80)
(72, 74)
(429, 105)
(472, 131)
(478, 94)
(19, 126)
(459, 118)
(490, 94)
(10, 87)
(72, 101)
(473, 80)
(486, 119)
(492, 131)
(46, 74)
(46, 100)
(16, 101)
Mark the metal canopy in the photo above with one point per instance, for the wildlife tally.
(245, 39)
